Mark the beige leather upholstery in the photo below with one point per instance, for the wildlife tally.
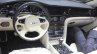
(37, 50)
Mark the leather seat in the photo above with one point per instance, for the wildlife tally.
(37, 50)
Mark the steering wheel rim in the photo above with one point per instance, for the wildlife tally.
(16, 20)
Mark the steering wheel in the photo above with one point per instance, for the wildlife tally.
(31, 27)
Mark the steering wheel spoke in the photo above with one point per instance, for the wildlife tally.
(21, 19)
(43, 21)
(19, 26)
(23, 32)
(40, 30)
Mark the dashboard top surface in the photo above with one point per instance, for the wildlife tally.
(64, 3)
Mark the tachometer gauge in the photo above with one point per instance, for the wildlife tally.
(25, 9)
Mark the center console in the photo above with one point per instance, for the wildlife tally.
(56, 33)
(56, 28)
(57, 37)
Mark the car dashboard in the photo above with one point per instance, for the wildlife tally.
(57, 13)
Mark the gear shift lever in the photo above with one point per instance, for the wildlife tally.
(61, 48)
(61, 45)
(60, 42)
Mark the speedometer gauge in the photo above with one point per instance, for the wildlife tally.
(36, 11)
